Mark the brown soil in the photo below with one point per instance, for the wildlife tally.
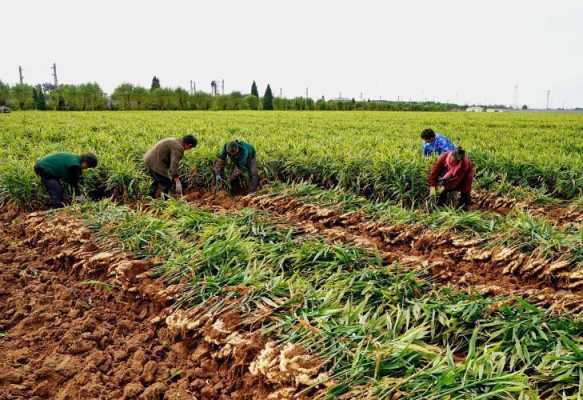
(79, 322)
(450, 259)
(560, 215)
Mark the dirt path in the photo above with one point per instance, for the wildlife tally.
(78, 322)
(464, 263)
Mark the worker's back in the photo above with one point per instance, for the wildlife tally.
(159, 157)
(58, 165)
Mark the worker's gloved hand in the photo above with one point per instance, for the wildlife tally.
(79, 198)
(219, 179)
(178, 187)
(432, 192)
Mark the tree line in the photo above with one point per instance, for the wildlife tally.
(90, 97)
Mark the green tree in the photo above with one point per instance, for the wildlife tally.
(252, 102)
(268, 99)
(4, 94)
(155, 83)
(321, 104)
(22, 95)
(254, 91)
(38, 94)
(140, 97)
(123, 97)
(182, 99)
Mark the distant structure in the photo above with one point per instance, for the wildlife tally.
(475, 109)
(215, 87)
(548, 99)
(55, 80)
(515, 97)
(21, 76)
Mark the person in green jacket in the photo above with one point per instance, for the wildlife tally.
(243, 158)
(56, 169)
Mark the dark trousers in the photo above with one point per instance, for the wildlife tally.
(159, 181)
(53, 187)
(253, 183)
(236, 175)
(464, 202)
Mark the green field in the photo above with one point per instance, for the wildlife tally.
(381, 328)
(375, 154)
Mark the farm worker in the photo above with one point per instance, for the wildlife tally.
(243, 157)
(454, 171)
(56, 168)
(435, 143)
(162, 162)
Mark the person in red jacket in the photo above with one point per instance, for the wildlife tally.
(455, 172)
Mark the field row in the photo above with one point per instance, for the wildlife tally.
(375, 154)
(383, 330)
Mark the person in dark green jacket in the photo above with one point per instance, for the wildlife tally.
(243, 158)
(56, 169)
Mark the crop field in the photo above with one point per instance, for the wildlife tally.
(337, 280)
(375, 154)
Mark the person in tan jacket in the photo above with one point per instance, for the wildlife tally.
(162, 162)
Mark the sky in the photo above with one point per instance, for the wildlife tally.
(463, 51)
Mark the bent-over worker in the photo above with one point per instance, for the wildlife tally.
(454, 171)
(162, 162)
(435, 143)
(243, 157)
(56, 169)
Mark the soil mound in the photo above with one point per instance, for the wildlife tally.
(79, 322)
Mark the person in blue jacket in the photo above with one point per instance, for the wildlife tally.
(435, 143)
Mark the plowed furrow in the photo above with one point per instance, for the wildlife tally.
(460, 261)
(80, 322)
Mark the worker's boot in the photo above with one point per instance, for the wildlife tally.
(236, 187)
(443, 196)
(465, 201)
(254, 184)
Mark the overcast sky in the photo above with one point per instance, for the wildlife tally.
(472, 51)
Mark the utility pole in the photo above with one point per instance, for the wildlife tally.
(281, 93)
(55, 80)
(548, 99)
(515, 97)
(307, 92)
(191, 87)
(222, 87)
(20, 74)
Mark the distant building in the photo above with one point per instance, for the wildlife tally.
(475, 109)
(495, 110)
(5, 109)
